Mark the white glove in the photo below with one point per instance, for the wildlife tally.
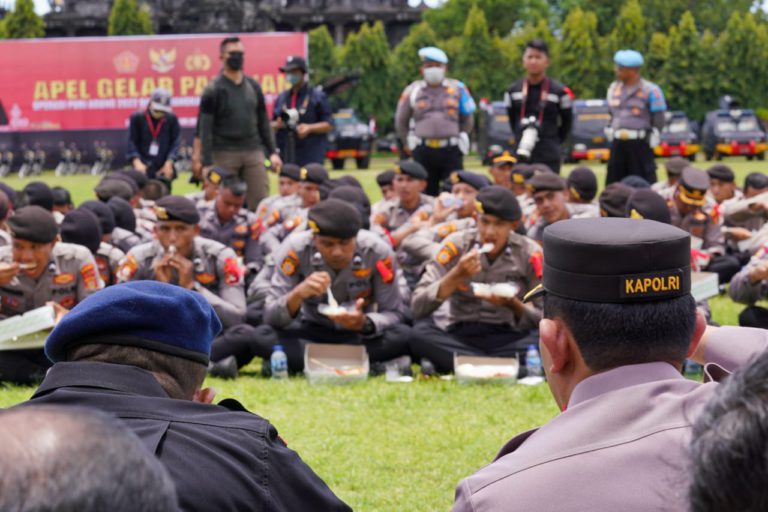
(655, 138)
(412, 140)
(464, 143)
(608, 133)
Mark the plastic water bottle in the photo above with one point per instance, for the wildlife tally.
(279, 363)
(533, 362)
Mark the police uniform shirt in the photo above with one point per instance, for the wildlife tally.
(392, 215)
(372, 276)
(125, 240)
(632, 106)
(313, 107)
(216, 270)
(283, 209)
(536, 231)
(742, 289)
(425, 243)
(556, 118)
(108, 258)
(220, 457)
(71, 276)
(198, 198)
(5, 238)
(241, 233)
(268, 203)
(438, 112)
(701, 226)
(621, 443)
(274, 236)
(737, 213)
(519, 263)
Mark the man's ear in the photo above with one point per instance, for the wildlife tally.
(554, 335)
(698, 332)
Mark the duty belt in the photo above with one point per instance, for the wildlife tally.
(624, 134)
(439, 143)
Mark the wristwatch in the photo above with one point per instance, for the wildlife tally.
(368, 327)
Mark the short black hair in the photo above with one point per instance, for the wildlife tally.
(154, 190)
(226, 41)
(613, 335)
(68, 459)
(538, 44)
(235, 185)
(729, 446)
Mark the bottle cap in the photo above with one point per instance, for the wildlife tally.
(277, 348)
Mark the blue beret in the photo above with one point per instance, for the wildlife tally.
(146, 314)
(628, 58)
(433, 54)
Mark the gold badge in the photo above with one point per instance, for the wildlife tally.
(634, 214)
(303, 173)
(313, 226)
(479, 207)
(455, 177)
(162, 213)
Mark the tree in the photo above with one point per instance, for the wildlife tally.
(367, 51)
(683, 62)
(405, 62)
(128, 19)
(656, 56)
(629, 31)
(502, 16)
(322, 57)
(480, 64)
(580, 55)
(23, 22)
(513, 47)
(743, 46)
(709, 68)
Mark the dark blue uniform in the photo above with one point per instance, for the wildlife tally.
(144, 131)
(221, 457)
(313, 107)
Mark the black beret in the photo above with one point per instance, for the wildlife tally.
(756, 180)
(176, 208)
(411, 168)
(474, 180)
(385, 178)
(521, 173)
(539, 167)
(108, 188)
(635, 181)
(348, 181)
(334, 218)
(103, 213)
(498, 201)
(39, 194)
(355, 196)
(125, 179)
(290, 171)
(139, 178)
(644, 203)
(613, 200)
(582, 183)
(81, 227)
(61, 196)
(314, 173)
(216, 175)
(125, 217)
(545, 181)
(721, 172)
(693, 186)
(9, 192)
(610, 260)
(34, 224)
(155, 189)
(675, 165)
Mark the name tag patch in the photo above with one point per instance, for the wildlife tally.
(652, 284)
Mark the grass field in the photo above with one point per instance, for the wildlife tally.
(384, 446)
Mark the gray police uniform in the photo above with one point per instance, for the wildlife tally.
(198, 198)
(424, 244)
(536, 231)
(744, 291)
(274, 236)
(108, 258)
(241, 233)
(268, 203)
(125, 240)
(283, 209)
(218, 275)
(475, 326)
(371, 276)
(70, 278)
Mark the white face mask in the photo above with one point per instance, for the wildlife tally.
(434, 75)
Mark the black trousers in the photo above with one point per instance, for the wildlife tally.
(726, 266)
(469, 339)
(439, 163)
(754, 316)
(631, 157)
(246, 342)
(23, 366)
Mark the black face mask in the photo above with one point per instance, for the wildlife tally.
(235, 61)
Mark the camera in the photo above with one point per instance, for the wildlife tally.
(290, 117)
(528, 138)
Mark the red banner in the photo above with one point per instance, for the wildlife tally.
(96, 83)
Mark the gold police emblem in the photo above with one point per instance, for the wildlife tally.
(162, 213)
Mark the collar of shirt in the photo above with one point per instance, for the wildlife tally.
(113, 377)
(620, 378)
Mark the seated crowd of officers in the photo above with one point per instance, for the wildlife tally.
(402, 269)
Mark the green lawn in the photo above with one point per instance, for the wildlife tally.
(384, 446)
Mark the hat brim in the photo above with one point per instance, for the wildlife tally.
(292, 67)
(689, 200)
(534, 293)
(504, 160)
(160, 107)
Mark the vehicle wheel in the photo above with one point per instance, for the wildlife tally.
(692, 158)
(750, 158)
(338, 164)
(708, 156)
(717, 156)
(761, 156)
(363, 163)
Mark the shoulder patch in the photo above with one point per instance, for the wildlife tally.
(290, 264)
(448, 252)
(127, 268)
(90, 278)
(64, 278)
(233, 272)
(256, 229)
(385, 269)
(446, 229)
(537, 262)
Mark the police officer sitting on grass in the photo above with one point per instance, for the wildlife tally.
(582, 189)
(479, 322)
(81, 227)
(551, 199)
(288, 181)
(35, 270)
(357, 268)
(139, 351)
(212, 178)
(619, 321)
(180, 256)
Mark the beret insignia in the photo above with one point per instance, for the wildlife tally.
(162, 213)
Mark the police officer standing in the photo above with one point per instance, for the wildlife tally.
(154, 138)
(637, 116)
(441, 109)
(540, 109)
(37, 270)
(302, 117)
